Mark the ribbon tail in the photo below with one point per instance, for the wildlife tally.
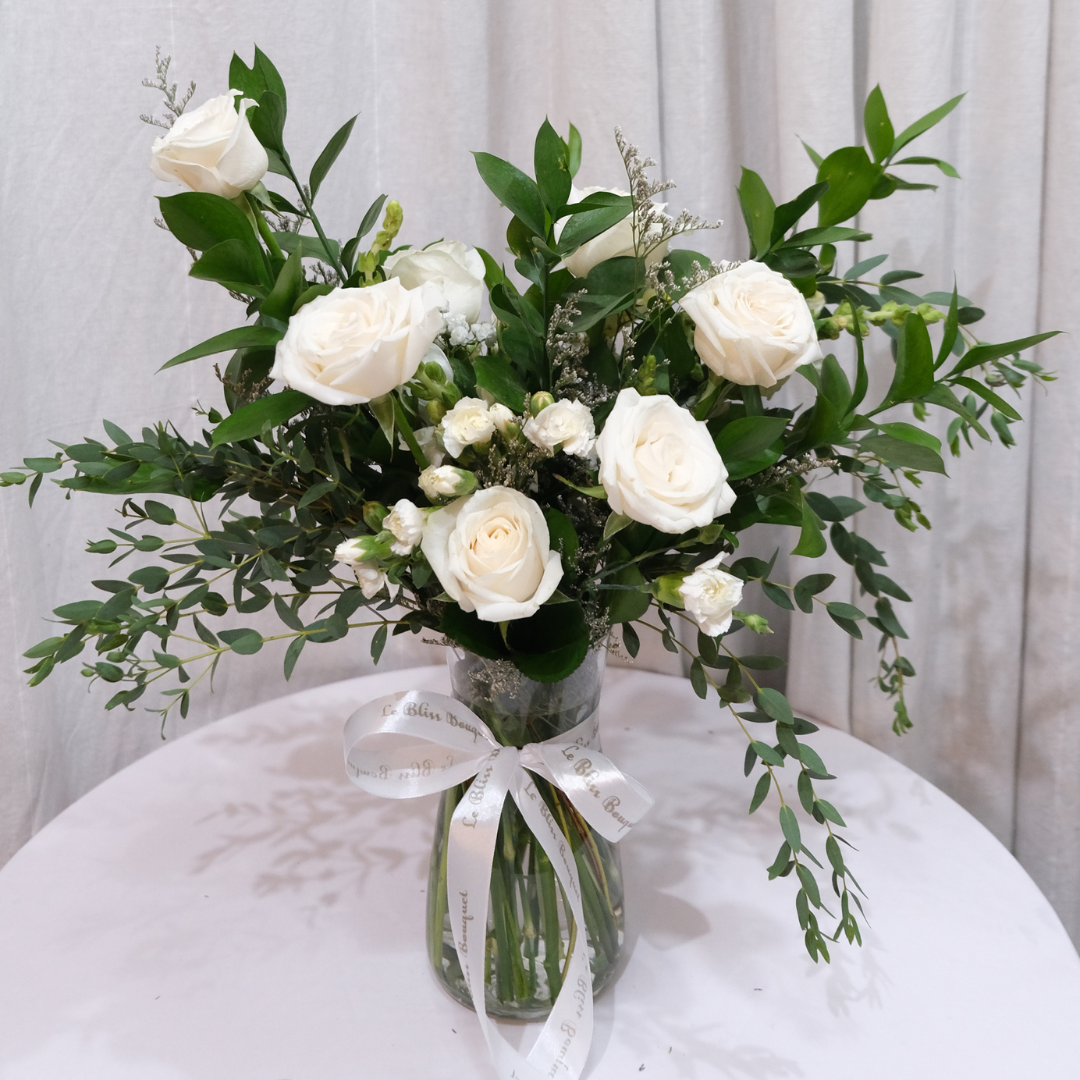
(474, 828)
(567, 1034)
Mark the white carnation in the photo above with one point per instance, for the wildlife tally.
(566, 425)
(406, 522)
(710, 595)
(468, 422)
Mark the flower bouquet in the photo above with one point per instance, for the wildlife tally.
(532, 490)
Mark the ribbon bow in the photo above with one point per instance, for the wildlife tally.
(418, 743)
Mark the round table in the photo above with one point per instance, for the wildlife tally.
(232, 908)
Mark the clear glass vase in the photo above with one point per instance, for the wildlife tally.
(529, 920)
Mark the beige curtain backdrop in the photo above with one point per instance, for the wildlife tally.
(93, 298)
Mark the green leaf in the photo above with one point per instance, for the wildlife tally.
(762, 662)
(286, 291)
(790, 826)
(292, 654)
(202, 221)
(46, 647)
(832, 850)
(247, 422)
(242, 337)
(944, 166)
(985, 354)
(774, 704)
(151, 578)
(514, 190)
(903, 454)
(761, 791)
(629, 601)
(988, 395)
(681, 263)
(833, 234)
(494, 374)
(233, 264)
(914, 374)
(329, 155)
(924, 123)
(378, 643)
(851, 176)
(878, 126)
(768, 754)
(698, 680)
(371, 216)
(42, 464)
(616, 523)
(582, 227)
(844, 611)
(948, 338)
(551, 162)
(836, 508)
(551, 644)
(861, 268)
(811, 539)
(242, 640)
(562, 535)
(829, 811)
(573, 144)
(758, 211)
(316, 492)
(809, 587)
(814, 156)
(310, 247)
(744, 438)
(788, 214)
(268, 122)
(911, 433)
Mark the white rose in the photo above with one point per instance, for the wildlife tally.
(491, 552)
(457, 271)
(564, 423)
(710, 595)
(753, 326)
(616, 241)
(212, 149)
(406, 522)
(353, 345)
(660, 466)
(468, 422)
(439, 482)
(500, 417)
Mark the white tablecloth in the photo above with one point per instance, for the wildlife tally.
(231, 908)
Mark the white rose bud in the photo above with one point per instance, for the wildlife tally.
(660, 466)
(467, 423)
(491, 552)
(212, 149)
(500, 417)
(406, 521)
(353, 345)
(565, 424)
(753, 327)
(441, 482)
(455, 270)
(616, 241)
(710, 595)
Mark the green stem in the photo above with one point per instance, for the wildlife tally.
(408, 436)
(437, 905)
(751, 396)
(550, 927)
(334, 262)
(267, 235)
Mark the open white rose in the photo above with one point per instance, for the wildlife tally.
(752, 325)
(212, 149)
(566, 424)
(456, 270)
(406, 523)
(353, 345)
(660, 466)
(613, 242)
(491, 552)
(468, 422)
(710, 595)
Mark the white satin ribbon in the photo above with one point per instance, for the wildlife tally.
(420, 742)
